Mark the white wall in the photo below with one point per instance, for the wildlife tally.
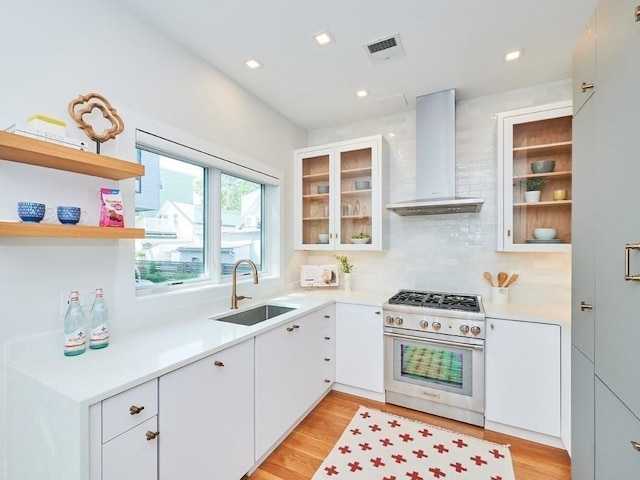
(450, 252)
(54, 51)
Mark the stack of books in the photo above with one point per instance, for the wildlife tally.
(27, 131)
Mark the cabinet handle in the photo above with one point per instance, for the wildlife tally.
(585, 306)
(327, 338)
(292, 328)
(327, 381)
(492, 326)
(587, 86)
(635, 445)
(218, 363)
(327, 359)
(133, 410)
(151, 435)
(638, 13)
(327, 316)
(378, 312)
(627, 251)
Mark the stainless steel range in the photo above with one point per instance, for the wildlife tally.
(434, 353)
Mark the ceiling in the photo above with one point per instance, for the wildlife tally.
(447, 44)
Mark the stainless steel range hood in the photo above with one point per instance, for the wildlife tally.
(435, 160)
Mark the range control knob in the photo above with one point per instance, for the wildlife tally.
(475, 330)
(436, 326)
(398, 321)
(424, 324)
(464, 329)
(389, 320)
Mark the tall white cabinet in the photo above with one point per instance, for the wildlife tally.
(341, 191)
(606, 260)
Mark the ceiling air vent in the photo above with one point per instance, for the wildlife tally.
(384, 49)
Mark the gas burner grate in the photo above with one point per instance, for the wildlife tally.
(441, 301)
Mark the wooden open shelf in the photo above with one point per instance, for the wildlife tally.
(550, 175)
(555, 203)
(546, 148)
(16, 148)
(18, 229)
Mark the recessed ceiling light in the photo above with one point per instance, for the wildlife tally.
(323, 38)
(253, 63)
(511, 56)
(362, 93)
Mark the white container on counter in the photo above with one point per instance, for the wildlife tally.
(499, 295)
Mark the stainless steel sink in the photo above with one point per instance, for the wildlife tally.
(255, 315)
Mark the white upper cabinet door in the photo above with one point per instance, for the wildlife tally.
(341, 191)
(584, 66)
(526, 137)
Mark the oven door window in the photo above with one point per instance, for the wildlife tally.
(443, 367)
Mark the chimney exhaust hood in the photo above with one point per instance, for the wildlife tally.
(435, 160)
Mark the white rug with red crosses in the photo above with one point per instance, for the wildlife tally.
(380, 446)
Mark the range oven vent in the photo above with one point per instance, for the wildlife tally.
(383, 49)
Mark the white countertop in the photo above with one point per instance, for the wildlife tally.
(135, 358)
(132, 359)
(531, 312)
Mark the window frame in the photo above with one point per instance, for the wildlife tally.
(214, 166)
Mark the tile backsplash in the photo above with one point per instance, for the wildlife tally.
(450, 252)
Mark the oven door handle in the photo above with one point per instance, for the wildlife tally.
(440, 342)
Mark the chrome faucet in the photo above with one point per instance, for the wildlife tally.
(234, 297)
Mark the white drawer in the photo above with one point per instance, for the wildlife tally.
(118, 412)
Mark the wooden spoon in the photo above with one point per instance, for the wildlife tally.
(511, 280)
(487, 277)
(502, 278)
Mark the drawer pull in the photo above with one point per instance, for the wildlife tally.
(635, 445)
(218, 363)
(378, 312)
(586, 86)
(327, 381)
(151, 435)
(327, 338)
(585, 306)
(133, 410)
(292, 328)
(327, 359)
(327, 316)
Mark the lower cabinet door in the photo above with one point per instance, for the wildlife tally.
(132, 455)
(206, 417)
(617, 437)
(582, 416)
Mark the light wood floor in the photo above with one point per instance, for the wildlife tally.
(302, 452)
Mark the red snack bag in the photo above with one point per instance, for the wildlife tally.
(111, 214)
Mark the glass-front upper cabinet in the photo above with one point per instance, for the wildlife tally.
(339, 196)
(535, 172)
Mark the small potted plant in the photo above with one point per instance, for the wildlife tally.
(533, 189)
(346, 268)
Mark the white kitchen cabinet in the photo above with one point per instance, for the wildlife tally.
(359, 348)
(356, 175)
(582, 416)
(523, 377)
(606, 136)
(584, 66)
(132, 455)
(206, 417)
(124, 435)
(290, 375)
(617, 437)
(525, 136)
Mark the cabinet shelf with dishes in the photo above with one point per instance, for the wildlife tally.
(19, 149)
(527, 138)
(340, 189)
